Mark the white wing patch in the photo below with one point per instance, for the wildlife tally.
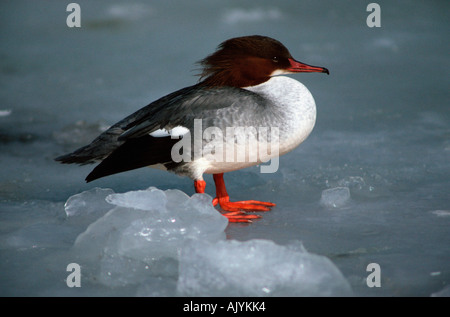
(174, 133)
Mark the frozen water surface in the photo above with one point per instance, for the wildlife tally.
(370, 185)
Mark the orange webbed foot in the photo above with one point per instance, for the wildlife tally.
(245, 205)
(235, 210)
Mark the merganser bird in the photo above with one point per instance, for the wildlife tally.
(240, 86)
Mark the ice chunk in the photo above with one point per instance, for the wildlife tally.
(148, 228)
(353, 182)
(335, 197)
(441, 213)
(162, 235)
(117, 271)
(445, 292)
(5, 113)
(157, 286)
(88, 202)
(151, 199)
(256, 268)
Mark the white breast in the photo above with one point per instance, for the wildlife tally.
(293, 115)
(295, 109)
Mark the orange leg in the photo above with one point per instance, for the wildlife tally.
(200, 186)
(223, 199)
(234, 215)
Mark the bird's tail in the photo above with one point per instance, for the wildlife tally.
(96, 151)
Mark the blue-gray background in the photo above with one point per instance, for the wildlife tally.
(383, 126)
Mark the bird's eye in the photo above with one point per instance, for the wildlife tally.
(275, 59)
